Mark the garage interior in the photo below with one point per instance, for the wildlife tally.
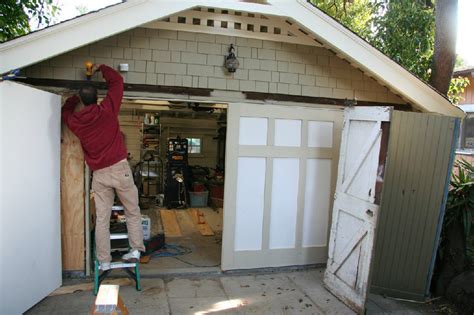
(176, 150)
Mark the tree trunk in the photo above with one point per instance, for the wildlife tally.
(444, 55)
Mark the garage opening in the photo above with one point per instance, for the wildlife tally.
(176, 150)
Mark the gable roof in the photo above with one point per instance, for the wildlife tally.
(69, 35)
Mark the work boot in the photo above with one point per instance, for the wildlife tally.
(132, 256)
(104, 266)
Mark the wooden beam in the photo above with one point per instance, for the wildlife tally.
(76, 84)
(319, 100)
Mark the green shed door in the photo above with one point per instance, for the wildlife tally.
(420, 158)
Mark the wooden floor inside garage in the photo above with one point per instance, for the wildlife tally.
(196, 233)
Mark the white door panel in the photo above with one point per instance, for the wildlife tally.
(320, 134)
(317, 197)
(354, 212)
(253, 131)
(30, 266)
(284, 203)
(250, 202)
(287, 133)
(276, 213)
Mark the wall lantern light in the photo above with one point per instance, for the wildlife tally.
(231, 62)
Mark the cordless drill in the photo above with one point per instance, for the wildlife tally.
(89, 71)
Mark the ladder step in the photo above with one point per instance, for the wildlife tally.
(119, 236)
(120, 264)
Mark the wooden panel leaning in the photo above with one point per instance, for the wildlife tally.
(72, 201)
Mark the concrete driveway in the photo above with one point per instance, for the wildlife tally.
(296, 292)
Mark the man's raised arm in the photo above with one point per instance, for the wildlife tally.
(113, 99)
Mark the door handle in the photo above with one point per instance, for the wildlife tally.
(369, 212)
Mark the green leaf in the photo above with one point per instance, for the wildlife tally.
(16, 16)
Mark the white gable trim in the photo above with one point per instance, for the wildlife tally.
(370, 60)
(78, 32)
(236, 24)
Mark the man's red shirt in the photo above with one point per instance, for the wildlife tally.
(97, 125)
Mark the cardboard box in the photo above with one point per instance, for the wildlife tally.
(146, 224)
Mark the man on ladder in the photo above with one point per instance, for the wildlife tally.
(97, 127)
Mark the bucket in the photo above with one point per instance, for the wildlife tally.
(198, 199)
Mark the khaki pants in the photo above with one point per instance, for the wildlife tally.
(117, 177)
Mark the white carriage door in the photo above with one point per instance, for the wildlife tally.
(280, 178)
(355, 213)
(30, 265)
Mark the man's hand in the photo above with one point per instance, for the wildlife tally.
(95, 67)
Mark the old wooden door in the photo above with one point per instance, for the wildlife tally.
(281, 164)
(355, 211)
(30, 266)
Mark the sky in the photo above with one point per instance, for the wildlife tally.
(465, 42)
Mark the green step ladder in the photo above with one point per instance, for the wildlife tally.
(127, 266)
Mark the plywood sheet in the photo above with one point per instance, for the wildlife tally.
(185, 222)
(200, 222)
(72, 201)
(170, 223)
(214, 218)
